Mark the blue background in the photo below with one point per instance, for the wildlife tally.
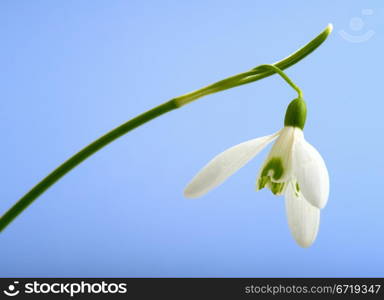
(73, 70)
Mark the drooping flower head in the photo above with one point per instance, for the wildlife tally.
(293, 168)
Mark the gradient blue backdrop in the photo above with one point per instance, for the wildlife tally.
(72, 70)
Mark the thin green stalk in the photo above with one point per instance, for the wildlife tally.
(258, 72)
(233, 81)
(285, 77)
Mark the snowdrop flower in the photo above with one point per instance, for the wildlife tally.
(293, 168)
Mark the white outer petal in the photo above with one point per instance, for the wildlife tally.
(303, 218)
(310, 172)
(225, 164)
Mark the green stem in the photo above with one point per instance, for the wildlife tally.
(250, 76)
(79, 157)
(285, 77)
(258, 72)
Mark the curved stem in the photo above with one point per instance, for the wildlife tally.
(258, 72)
(285, 77)
(79, 157)
(233, 81)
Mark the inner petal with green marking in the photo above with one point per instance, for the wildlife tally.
(270, 175)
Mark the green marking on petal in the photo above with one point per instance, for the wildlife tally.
(272, 172)
(276, 166)
(262, 182)
(277, 187)
(297, 187)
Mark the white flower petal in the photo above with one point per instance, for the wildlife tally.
(311, 172)
(303, 218)
(281, 151)
(224, 165)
